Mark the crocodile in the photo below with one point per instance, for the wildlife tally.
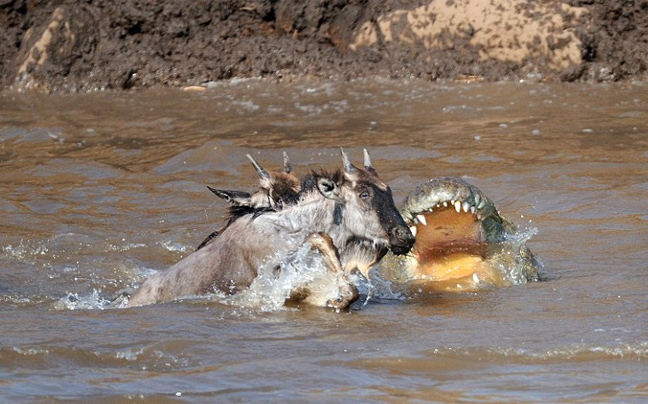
(463, 242)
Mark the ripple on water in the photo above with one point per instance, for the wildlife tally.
(58, 167)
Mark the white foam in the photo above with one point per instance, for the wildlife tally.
(303, 272)
(72, 301)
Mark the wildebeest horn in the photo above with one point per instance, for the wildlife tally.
(263, 174)
(348, 167)
(367, 161)
(287, 165)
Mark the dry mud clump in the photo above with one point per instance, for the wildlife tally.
(74, 45)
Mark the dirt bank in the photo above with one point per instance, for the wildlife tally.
(77, 45)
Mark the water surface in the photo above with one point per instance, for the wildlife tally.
(100, 190)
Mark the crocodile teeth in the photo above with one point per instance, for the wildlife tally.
(457, 206)
(477, 199)
(481, 204)
(413, 230)
(421, 219)
(475, 278)
(465, 207)
(445, 204)
(472, 210)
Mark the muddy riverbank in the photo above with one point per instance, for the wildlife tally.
(75, 45)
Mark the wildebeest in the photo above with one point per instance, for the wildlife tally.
(344, 210)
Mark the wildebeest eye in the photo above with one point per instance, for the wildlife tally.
(364, 195)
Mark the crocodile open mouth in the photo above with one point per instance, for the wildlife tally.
(443, 230)
(454, 224)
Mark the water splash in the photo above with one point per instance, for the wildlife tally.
(72, 301)
(175, 247)
(302, 276)
(515, 263)
(25, 251)
(519, 273)
(383, 289)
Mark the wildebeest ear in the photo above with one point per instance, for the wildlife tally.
(238, 198)
(328, 188)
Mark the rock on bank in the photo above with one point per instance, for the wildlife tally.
(77, 45)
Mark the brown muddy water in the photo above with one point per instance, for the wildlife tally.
(100, 190)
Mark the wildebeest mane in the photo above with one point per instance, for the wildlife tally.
(234, 213)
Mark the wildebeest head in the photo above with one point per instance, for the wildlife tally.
(369, 209)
